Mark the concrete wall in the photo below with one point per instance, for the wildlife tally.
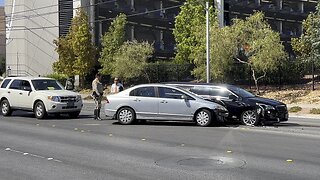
(32, 29)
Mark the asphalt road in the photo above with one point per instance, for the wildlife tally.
(87, 149)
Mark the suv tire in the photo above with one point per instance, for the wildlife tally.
(5, 108)
(40, 110)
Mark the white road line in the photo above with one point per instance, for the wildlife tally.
(32, 155)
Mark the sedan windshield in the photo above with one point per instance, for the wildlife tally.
(46, 84)
(241, 92)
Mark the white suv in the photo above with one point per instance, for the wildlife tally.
(38, 94)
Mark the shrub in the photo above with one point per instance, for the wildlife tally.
(295, 109)
(315, 111)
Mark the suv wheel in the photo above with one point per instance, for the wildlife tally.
(249, 118)
(126, 116)
(203, 117)
(5, 108)
(40, 110)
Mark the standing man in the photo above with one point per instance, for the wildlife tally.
(116, 86)
(97, 94)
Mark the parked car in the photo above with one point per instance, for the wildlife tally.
(163, 103)
(241, 104)
(40, 95)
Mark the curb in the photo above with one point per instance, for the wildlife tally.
(306, 116)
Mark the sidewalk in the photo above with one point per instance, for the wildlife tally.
(305, 112)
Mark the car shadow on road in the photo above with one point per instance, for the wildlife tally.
(283, 124)
(31, 115)
(217, 125)
(168, 123)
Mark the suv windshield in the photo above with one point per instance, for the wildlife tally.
(46, 84)
(241, 92)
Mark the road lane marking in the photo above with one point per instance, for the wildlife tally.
(32, 155)
(37, 156)
(92, 124)
(289, 160)
(110, 135)
(229, 151)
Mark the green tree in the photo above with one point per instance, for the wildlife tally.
(111, 42)
(76, 51)
(222, 48)
(309, 42)
(258, 46)
(131, 60)
(190, 32)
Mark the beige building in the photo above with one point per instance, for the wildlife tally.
(32, 25)
(2, 34)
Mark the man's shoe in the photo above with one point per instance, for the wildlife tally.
(99, 119)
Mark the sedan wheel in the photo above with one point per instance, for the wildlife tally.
(5, 108)
(40, 110)
(126, 116)
(249, 118)
(203, 118)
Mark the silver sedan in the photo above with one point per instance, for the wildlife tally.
(162, 102)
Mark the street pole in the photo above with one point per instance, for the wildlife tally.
(92, 19)
(220, 7)
(208, 41)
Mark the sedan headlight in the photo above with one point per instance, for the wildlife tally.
(78, 98)
(54, 98)
(265, 106)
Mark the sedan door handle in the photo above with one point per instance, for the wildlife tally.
(164, 102)
(137, 100)
(20, 93)
(9, 92)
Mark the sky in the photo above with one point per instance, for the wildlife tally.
(1, 2)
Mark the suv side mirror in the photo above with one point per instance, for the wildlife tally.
(233, 97)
